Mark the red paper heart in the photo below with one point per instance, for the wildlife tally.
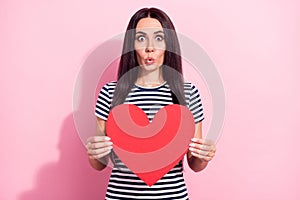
(150, 150)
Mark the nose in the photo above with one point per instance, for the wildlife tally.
(149, 47)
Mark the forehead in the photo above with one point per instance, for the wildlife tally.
(148, 24)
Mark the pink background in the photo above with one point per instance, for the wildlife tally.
(255, 46)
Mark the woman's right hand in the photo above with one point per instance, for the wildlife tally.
(98, 146)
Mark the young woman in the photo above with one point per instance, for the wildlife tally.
(146, 78)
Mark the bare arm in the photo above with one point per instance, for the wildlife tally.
(200, 151)
(99, 147)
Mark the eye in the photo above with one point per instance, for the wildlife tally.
(141, 38)
(159, 38)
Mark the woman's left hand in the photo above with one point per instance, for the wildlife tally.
(202, 149)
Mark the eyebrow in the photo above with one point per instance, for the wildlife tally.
(156, 32)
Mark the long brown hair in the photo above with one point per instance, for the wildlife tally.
(172, 65)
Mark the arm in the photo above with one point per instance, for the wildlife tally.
(200, 151)
(99, 147)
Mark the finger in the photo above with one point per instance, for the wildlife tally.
(98, 139)
(208, 142)
(201, 152)
(196, 140)
(99, 151)
(97, 145)
(206, 158)
(207, 147)
(202, 147)
(99, 155)
(198, 151)
(203, 141)
(214, 149)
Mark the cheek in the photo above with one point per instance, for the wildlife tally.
(161, 54)
(140, 52)
(139, 55)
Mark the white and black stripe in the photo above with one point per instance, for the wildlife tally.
(123, 183)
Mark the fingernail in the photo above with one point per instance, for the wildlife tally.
(194, 139)
(107, 138)
(192, 144)
(110, 143)
(194, 154)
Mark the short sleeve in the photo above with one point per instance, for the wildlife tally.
(195, 104)
(103, 103)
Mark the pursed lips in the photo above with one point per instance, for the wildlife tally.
(149, 60)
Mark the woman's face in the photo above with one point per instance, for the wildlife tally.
(149, 44)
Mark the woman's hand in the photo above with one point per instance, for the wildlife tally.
(98, 146)
(202, 149)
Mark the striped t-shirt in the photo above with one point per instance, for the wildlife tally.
(123, 183)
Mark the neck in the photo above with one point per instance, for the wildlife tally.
(150, 78)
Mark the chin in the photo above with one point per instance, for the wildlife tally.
(150, 68)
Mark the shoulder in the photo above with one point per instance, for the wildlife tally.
(109, 86)
(108, 89)
(188, 86)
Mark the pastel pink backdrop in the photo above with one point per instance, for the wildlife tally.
(255, 46)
